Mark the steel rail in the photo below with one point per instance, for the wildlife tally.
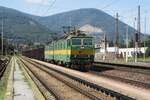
(41, 81)
(112, 93)
(69, 84)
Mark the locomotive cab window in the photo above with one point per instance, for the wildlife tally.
(76, 41)
(87, 41)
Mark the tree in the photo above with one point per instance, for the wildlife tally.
(131, 43)
(147, 43)
(148, 51)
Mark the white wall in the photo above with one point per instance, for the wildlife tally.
(124, 51)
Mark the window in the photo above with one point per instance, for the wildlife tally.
(87, 42)
(76, 41)
(68, 42)
(62, 45)
(59, 45)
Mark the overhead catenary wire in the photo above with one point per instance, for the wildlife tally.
(110, 4)
(39, 8)
(50, 6)
(133, 11)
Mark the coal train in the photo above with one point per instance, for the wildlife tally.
(74, 50)
(36, 53)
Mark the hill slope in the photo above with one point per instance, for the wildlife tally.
(18, 25)
(25, 27)
(86, 17)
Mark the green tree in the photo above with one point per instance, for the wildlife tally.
(147, 44)
(131, 43)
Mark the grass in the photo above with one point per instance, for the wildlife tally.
(3, 83)
(140, 59)
(2, 89)
(147, 59)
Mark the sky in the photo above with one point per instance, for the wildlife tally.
(127, 9)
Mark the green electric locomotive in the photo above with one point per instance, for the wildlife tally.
(74, 51)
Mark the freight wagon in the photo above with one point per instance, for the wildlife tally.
(36, 53)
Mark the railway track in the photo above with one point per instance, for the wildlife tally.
(80, 91)
(122, 67)
(137, 83)
(43, 89)
(3, 65)
(134, 75)
(2, 70)
(98, 91)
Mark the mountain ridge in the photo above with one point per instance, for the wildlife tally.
(19, 25)
(90, 16)
(39, 28)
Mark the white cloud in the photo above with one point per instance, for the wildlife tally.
(40, 2)
(89, 28)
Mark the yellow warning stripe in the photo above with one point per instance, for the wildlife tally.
(69, 52)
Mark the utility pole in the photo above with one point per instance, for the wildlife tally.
(127, 43)
(137, 35)
(117, 36)
(139, 26)
(2, 37)
(105, 46)
(144, 37)
(136, 46)
(135, 41)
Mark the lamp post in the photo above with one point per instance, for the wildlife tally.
(144, 37)
(127, 43)
(2, 32)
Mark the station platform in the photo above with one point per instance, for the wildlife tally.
(20, 86)
(22, 90)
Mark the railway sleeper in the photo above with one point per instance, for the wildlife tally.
(118, 96)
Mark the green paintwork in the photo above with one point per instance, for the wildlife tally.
(65, 44)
